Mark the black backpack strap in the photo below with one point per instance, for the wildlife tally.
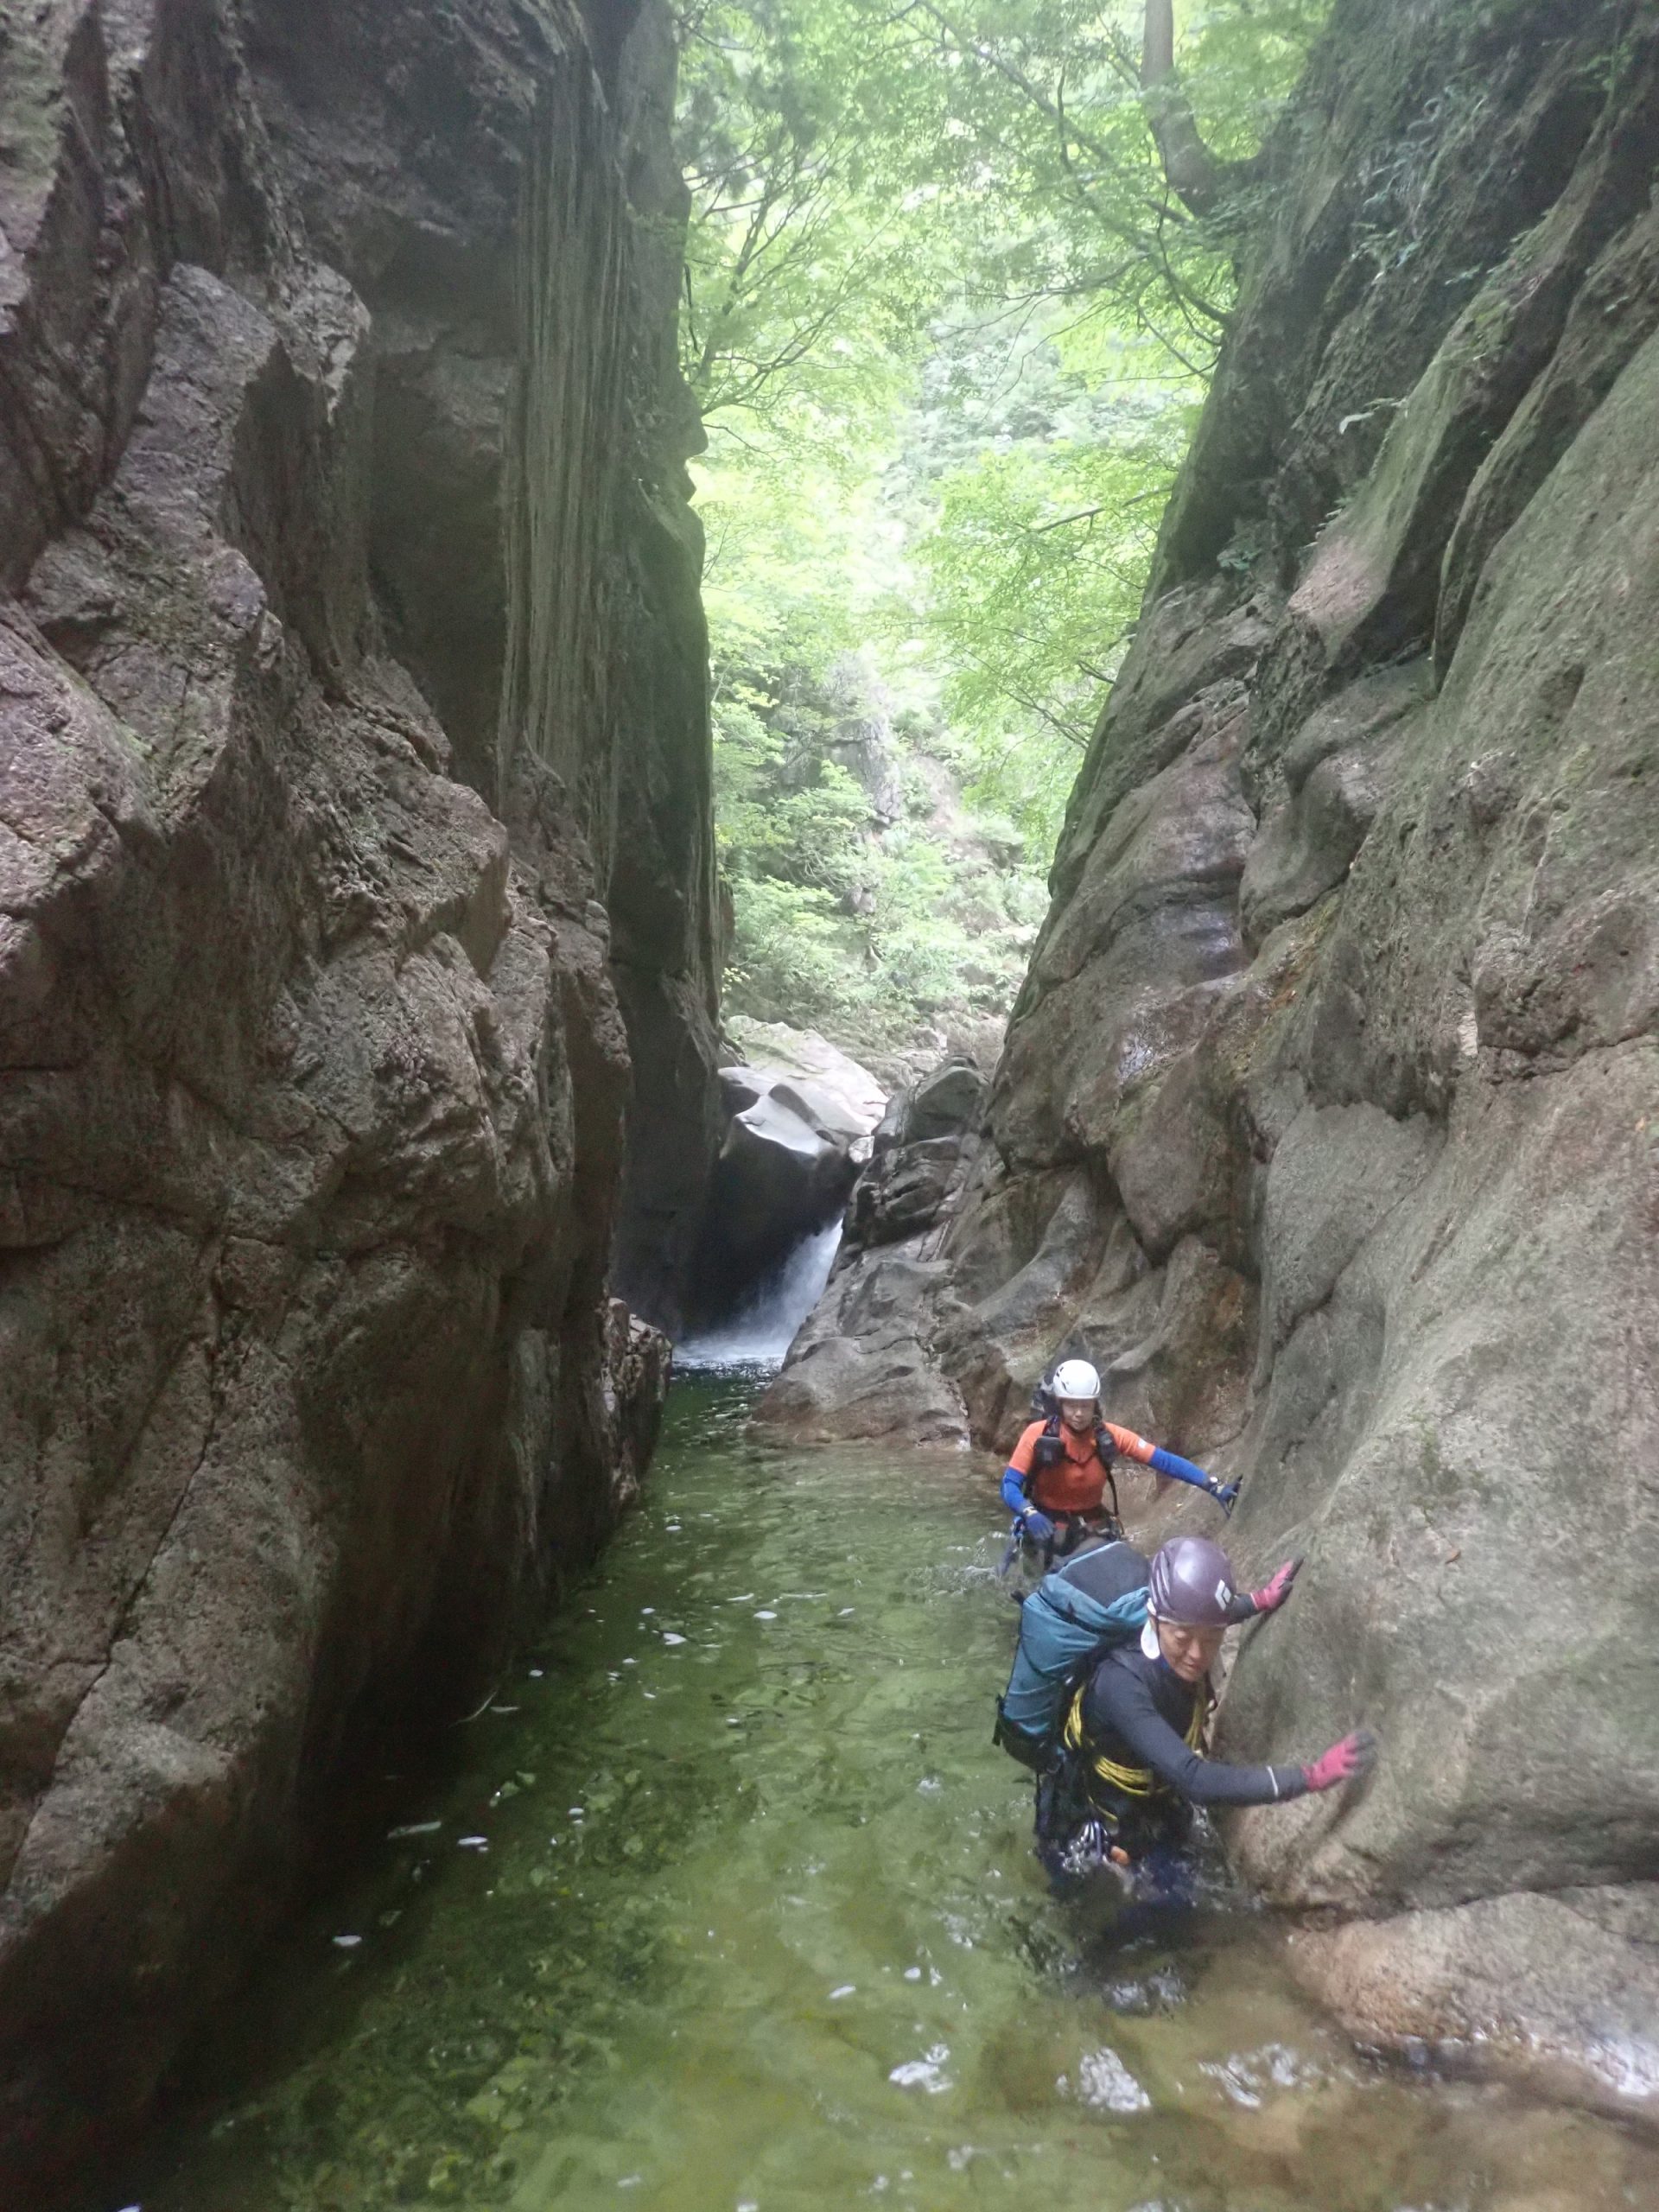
(1048, 1449)
(1107, 1451)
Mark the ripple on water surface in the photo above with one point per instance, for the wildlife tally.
(732, 1905)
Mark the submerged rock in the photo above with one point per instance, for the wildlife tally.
(339, 468)
(1543, 1981)
(1328, 1120)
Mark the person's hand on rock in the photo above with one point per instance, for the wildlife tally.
(1345, 1762)
(1278, 1586)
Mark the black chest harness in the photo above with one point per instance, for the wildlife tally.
(1049, 1451)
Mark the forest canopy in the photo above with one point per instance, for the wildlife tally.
(956, 280)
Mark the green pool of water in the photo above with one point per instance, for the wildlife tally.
(731, 1905)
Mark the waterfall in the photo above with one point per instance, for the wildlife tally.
(760, 1333)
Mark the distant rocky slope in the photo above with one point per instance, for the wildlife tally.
(354, 832)
(1329, 1118)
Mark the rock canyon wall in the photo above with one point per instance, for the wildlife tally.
(1328, 1122)
(354, 832)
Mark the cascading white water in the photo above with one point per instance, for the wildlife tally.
(760, 1333)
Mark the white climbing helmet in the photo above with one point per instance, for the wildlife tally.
(1075, 1378)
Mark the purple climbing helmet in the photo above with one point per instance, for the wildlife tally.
(1192, 1583)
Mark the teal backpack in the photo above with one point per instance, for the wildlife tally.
(1063, 1634)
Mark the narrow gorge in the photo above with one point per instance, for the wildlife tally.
(369, 1135)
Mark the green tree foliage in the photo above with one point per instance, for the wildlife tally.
(813, 258)
(956, 280)
(852, 162)
(1036, 483)
(1127, 195)
(867, 902)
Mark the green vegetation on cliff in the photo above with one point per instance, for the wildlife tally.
(954, 283)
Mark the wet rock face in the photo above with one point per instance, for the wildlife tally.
(313, 1071)
(1326, 1120)
(537, 562)
(784, 1170)
(919, 1153)
(863, 1365)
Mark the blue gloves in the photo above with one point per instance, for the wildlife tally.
(1224, 1493)
(1026, 1516)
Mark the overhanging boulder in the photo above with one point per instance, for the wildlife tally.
(798, 1135)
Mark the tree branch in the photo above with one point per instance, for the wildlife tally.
(1195, 176)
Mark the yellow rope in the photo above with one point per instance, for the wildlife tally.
(1133, 1781)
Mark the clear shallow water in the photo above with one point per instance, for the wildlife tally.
(751, 1921)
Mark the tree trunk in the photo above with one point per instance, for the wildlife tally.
(1194, 174)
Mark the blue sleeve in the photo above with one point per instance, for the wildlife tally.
(1171, 1463)
(1013, 1489)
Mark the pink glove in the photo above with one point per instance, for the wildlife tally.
(1273, 1594)
(1354, 1756)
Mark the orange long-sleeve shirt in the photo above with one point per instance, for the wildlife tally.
(1077, 1481)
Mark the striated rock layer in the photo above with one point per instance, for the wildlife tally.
(352, 793)
(1329, 1118)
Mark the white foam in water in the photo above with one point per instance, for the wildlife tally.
(1105, 2082)
(762, 1333)
(927, 2073)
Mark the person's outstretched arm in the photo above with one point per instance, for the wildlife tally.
(1168, 1463)
(1119, 1700)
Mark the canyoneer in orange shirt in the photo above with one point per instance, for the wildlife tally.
(1058, 1482)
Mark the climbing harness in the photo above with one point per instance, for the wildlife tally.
(1072, 1530)
(1049, 1451)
